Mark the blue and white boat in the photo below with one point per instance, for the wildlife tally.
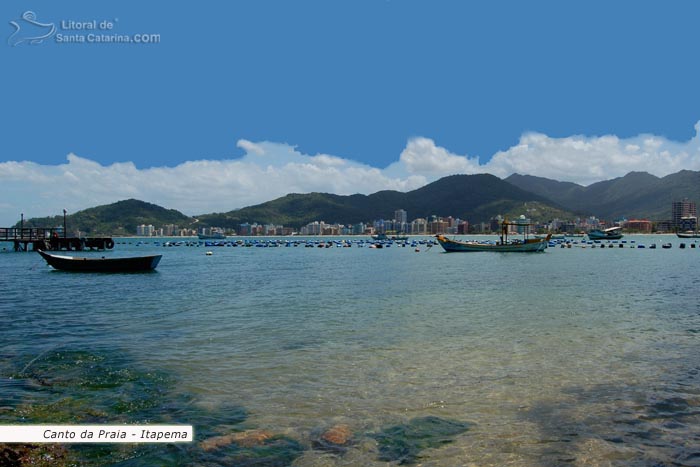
(613, 233)
(212, 236)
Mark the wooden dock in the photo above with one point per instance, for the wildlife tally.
(48, 239)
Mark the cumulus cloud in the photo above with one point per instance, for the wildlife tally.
(585, 160)
(422, 156)
(269, 170)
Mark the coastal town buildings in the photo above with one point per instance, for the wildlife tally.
(688, 223)
(145, 230)
(680, 209)
(638, 226)
(684, 218)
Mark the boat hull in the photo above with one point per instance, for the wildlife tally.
(529, 246)
(602, 235)
(687, 235)
(85, 264)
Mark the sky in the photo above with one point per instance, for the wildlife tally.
(216, 105)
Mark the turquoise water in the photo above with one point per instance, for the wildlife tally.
(581, 356)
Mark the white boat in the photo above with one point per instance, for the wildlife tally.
(613, 233)
(212, 236)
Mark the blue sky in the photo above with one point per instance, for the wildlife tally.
(399, 92)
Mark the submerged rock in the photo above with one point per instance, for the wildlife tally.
(39, 455)
(275, 451)
(336, 439)
(338, 434)
(105, 387)
(403, 443)
(248, 438)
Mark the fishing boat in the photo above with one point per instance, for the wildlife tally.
(101, 264)
(525, 245)
(613, 233)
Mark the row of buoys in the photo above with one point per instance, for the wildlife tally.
(631, 245)
(270, 243)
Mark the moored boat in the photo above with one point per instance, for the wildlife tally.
(613, 233)
(101, 264)
(396, 238)
(525, 245)
(689, 234)
(213, 236)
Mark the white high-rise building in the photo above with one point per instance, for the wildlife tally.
(400, 216)
(145, 230)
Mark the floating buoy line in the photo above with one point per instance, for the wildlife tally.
(417, 245)
(279, 243)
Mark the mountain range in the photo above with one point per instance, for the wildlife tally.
(636, 195)
(475, 198)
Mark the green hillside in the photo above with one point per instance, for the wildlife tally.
(120, 218)
(636, 195)
(474, 198)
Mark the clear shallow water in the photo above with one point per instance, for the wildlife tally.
(571, 357)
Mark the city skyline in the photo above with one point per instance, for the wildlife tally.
(684, 218)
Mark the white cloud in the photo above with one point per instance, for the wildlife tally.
(422, 156)
(586, 160)
(269, 170)
(266, 171)
(250, 147)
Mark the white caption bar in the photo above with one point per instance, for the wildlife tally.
(96, 433)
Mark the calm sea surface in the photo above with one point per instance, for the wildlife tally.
(580, 356)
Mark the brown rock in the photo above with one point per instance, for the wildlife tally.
(248, 438)
(338, 435)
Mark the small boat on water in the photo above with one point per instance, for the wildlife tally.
(396, 238)
(101, 264)
(529, 245)
(613, 233)
(212, 236)
(688, 234)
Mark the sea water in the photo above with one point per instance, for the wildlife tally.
(575, 356)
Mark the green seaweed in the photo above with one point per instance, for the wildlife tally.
(42, 455)
(78, 386)
(403, 443)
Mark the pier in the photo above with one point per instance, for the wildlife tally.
(48, 239)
